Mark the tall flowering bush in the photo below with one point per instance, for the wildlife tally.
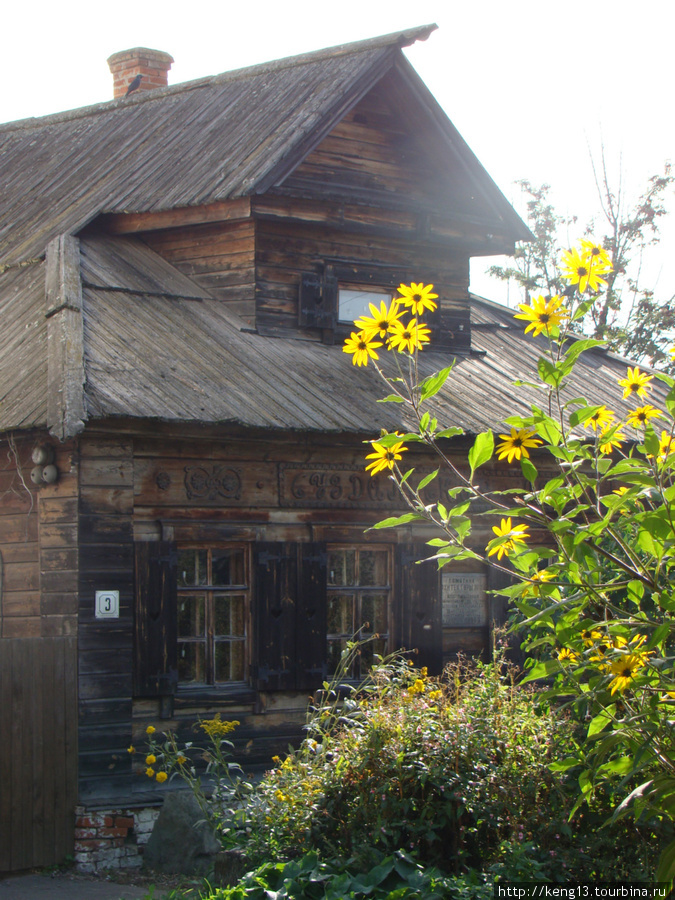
(591, 550)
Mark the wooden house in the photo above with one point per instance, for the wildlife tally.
(184, 504)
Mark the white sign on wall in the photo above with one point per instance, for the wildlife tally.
(464, 600)
(107, 605)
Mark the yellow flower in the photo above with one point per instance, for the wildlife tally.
(418, 297)
(435, 695)
(381, 319)
(590, 635)
(580, 270)
(624, 671)
(536, 581)
(635, 383)
(601, 418)
(666, 446)
(408, 338)
(516, 534)
(424, 672)
(597, 256)
(640, 416)
(620, 491)
(161, 777)
(543, 314)
(609, 439)
(280, 796)
(151, 759)
(672, 351)
(514, 445)
(276, 760)
(417, 687)
(150, 729)
(384, 457)
(215, 728)
(181, 760)
(565, 655)
(150, 772)
(362, 345)
(131, 749)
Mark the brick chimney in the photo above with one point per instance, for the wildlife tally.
(152, 65)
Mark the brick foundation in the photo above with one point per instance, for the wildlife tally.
(111, 838)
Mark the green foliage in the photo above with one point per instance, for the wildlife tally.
(453, 772)
(630, 318)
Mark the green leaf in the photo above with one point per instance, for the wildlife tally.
(432, 385)
(450, 432)
(578, 347)
(427, 479)
(548, 372)
(602, 720)
(529, 470)
(665, 871)
(392, 398)
(393, 521)
(482, 450)
(542, 669)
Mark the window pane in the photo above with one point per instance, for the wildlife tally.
(374, 612)
(229, 614)
(191, 662)
(373, 567)
(365, 660)
(187, 567)
(341, 614)
(352, 304)
(342, 567)
(191, 616)
(227, 567)
(335, 649)
(230, 661)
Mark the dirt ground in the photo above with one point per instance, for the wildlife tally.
(113, 885)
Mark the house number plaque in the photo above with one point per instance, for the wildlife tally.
(464, 600)
(107, 605)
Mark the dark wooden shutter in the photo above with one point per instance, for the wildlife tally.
(318, 301)
(417, 607)
(311, 617)
(275, 567)
(155, 619)
(289, 616)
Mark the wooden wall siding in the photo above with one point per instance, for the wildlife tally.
(105, 645)
(283, 253)
(38, 751)
(38, 543)
(219, 257)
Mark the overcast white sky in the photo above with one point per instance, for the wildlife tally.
(533, 86)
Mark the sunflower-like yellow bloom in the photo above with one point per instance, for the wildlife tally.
(565, 655)
(636, 383)
(581, 270)
(408, 338)
(380, 319)
(597, 256)
(625, 670)
(384, 457)
(150, 729)
(161, 777)
(666, 446)
(610, 439)
(516, 535)
(362, 346)
(151, 759)
(418, 297)
(543, 314)
(601, 419)
(150, 772)
(536, 582)
(639, 417)
(515, 445)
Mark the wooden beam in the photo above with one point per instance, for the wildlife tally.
(132, 223)
(65, 342)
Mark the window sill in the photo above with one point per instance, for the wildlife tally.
(234, 693)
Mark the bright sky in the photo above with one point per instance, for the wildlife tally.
(534, 87)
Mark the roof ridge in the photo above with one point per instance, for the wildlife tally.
(402, 38)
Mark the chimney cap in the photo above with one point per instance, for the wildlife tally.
(138, 54)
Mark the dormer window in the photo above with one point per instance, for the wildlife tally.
(354, 302)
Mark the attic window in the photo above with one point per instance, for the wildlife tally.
(355, 303)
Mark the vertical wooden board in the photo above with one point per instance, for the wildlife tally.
(41, 750)
(21, 830)
(65, 843)
(7, 780)
(418, 606)
(50, 719)
(275, 592)
(155, 619)
(311, 612)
